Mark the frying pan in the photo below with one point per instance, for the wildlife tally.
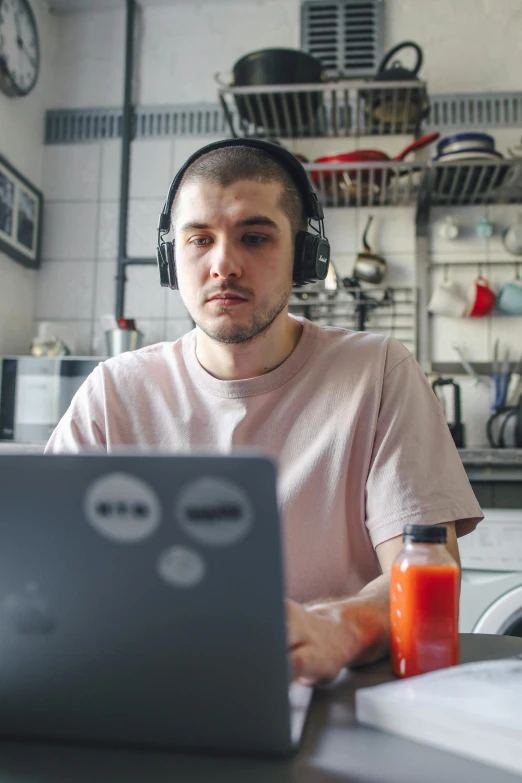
(368, 156)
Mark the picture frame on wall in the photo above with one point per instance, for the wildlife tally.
(20, 216)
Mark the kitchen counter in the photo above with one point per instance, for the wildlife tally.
(335, 747)
(492, 457)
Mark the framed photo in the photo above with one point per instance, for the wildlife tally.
(20, 216)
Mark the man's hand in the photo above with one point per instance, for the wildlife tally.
(319, 644)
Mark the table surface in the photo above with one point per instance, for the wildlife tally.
(334, 749)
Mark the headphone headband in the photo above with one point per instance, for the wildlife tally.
(286, 159)
(311, 251)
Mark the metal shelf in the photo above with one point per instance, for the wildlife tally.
(333, 109)
(390, 310)
(399, 184)
(476, 182)
(366, 184)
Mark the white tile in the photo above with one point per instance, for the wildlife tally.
(392, 229)
(467, 245)
(400, 269)
(110, 170)
(144, 296)
(502, 217)
(507, 140)
(69, 230)
(183, 148)
(472, 334)
(508, 330)
(142, 235)
(65, 289)
(341, 229)
(476, 402)
(77, 335)
(153, 330)
(108, 228)
(105, 288)
(151, 168)
(176, 328)
(71, 172)
(175, 306)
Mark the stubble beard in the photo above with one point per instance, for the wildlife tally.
(261, 320)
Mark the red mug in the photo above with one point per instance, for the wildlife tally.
(482, 299)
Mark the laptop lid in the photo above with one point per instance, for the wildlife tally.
(141, 601)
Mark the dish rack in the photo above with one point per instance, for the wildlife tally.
(332, 109)
(384, 310)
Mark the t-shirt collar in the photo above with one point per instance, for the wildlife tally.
(261, 384)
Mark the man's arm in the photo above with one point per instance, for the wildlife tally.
(325, 636)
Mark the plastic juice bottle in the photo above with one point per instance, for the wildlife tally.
(424, 603)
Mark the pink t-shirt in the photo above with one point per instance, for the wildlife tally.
(359, 438)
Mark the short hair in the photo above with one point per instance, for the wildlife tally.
(226, 165)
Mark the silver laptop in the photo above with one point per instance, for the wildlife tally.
(142, 601)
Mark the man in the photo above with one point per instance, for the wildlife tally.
(360, 441)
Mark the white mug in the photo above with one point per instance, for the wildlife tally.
(447, 299)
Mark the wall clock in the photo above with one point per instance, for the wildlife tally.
(19, 48)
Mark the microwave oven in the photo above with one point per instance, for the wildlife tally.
(36, 391)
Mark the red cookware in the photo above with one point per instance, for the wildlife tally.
(369, 156)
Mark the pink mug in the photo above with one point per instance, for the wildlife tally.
(481, 298)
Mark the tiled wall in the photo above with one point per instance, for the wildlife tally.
(21, 143)
(180, 48)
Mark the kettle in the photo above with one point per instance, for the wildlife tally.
(369, 267)
(456, 427)
(399, 107)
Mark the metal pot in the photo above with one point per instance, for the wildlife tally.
(369, 267)
(278, 113)
(402, 107)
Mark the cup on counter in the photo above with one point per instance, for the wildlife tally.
(509, 298)
(122, 340)
(447, 299)
(481, 299)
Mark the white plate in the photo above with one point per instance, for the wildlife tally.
(456, 156)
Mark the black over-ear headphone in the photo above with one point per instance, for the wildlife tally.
(312, 251)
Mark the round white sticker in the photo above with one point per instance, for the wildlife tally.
(122, 507)
(181, 567)
(214, 511)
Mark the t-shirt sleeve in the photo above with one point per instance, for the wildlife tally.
(416, 475)
(83, 424)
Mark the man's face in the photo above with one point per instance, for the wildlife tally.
(234, 257)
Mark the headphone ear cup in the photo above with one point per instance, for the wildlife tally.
(171, 265)
(299, 275)
(311, 258)
(167, 265)
(161, 258)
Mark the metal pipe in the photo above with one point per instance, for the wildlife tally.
(126, 138)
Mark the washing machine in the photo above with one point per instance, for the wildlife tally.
(491, 590)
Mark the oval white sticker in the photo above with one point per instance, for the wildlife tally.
(214, 511)
(181, 567)
(122, 507)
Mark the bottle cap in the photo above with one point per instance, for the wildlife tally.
(425, 534)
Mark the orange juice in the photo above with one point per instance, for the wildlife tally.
(424, 604)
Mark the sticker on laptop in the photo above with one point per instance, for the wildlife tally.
(181, 567)
(214, 511)
(122, 507)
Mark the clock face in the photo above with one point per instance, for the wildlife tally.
(19, 48)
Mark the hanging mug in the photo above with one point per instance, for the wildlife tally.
(509, 298)
(481, 298)
(447, 299)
